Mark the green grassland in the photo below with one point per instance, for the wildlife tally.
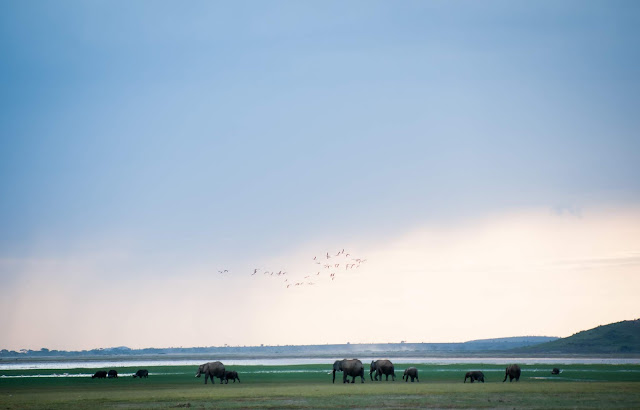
(309, 386)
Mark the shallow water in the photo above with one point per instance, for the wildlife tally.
(94, 364)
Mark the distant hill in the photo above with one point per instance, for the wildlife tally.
(615, 338)
(507, 343)
(622, 338)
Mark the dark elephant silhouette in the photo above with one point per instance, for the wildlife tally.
(100, 374)
(410, 372)
(512, 372)
(231, 375)
(349, 367)
(211, 370)
(380, 367)
(474, 376)
(141, 373)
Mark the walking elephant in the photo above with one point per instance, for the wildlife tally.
(211, 370)
(474, 376)
(381, 367)
(112, 374)
(349, 367)
(231, 375)
(512, 372)
(410, 372)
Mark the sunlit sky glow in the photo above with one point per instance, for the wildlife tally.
(483, 157)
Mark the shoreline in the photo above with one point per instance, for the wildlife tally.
(386, 354)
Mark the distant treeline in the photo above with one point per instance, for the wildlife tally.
(474, 346)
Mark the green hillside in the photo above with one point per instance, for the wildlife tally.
(615, 338)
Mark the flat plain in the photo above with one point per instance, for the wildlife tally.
(310, 386)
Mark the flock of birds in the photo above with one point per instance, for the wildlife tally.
(326, 266)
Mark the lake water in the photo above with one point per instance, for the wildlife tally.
(97, 364)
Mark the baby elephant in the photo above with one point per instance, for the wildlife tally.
(555, 371)
(231, 375)
(112, 374)
(141, 373)
(410, 372)
(474, 376)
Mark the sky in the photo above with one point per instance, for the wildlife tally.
(170, 170)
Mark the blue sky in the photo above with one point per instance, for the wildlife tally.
(151, 141)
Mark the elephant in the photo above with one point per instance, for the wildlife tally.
(211, 370)
(555, 371)
(410, 372)
(473, 376)
(100, 374)
(231, 375)
(513, 372)
(381, 367)
(141, 373)
(112, 374)
(349, 367)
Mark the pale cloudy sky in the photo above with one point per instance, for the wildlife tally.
(481, 156)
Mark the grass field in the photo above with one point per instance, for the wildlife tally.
(578, 386)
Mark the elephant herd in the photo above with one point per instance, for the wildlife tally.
(353, 368)
(349, 367)
(112, 374)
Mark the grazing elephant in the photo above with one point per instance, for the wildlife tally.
(231, 375)
(555, 371)
(100, 374)
(381, 367)
(112, 374)
(410, 372)
(211, 370)
(141, 373)
(349, 367)
(513, 372)
(473, 376)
